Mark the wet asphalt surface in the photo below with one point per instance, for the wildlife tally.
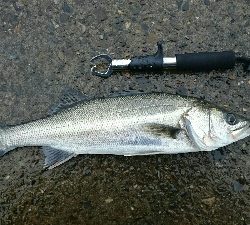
(46, 46)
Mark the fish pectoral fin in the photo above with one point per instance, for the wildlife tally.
(162, 130)
(69, 98)
(55, 157)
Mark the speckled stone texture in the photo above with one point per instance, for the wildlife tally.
(46, 46)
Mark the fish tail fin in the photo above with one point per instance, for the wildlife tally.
(4, 148)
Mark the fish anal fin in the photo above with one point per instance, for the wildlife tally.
(2, 152)
(5, 151)
(162, 130)
(69, 98)
(55, 157)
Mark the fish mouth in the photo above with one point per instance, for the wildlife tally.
(241, 132)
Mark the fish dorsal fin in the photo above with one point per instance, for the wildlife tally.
(55, 157)
(125, 93)
(69, 98)
(162, 130)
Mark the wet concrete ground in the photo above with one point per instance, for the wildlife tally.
(46, 46)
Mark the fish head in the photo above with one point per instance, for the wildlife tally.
(210, 128)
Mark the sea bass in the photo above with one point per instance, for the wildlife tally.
(127, 125)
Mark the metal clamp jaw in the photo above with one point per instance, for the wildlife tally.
(94, 69)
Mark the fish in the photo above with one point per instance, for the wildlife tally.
(129, 125)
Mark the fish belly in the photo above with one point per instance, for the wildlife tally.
(126, 141)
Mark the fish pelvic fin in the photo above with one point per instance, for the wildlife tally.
(3, 146)
(55, 157)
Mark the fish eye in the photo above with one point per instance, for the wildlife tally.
(231, 119)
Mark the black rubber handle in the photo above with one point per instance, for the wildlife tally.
(205, 61)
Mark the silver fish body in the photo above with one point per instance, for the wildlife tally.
(128, 125)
